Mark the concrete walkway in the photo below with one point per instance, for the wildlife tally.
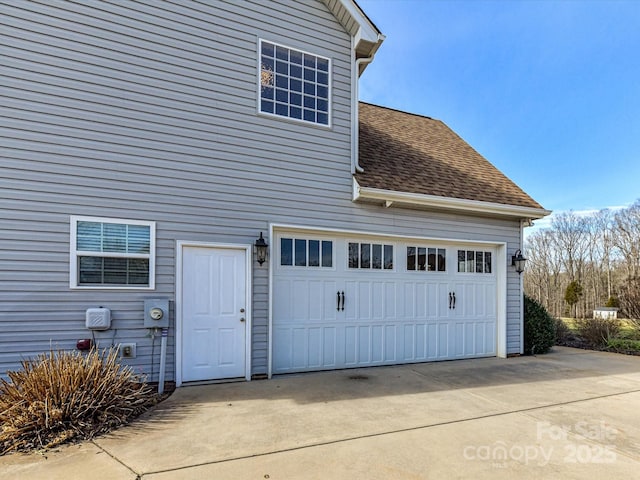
(568, 414)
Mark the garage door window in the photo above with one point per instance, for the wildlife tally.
(301, 252)
(375, 256)
(427, 259)
(473, 261)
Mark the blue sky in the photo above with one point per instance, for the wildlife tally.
(548, 91)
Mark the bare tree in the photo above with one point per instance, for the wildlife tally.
(600, 251)
(626, 238)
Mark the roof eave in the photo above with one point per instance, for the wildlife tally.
(390, 197)
(366, 36)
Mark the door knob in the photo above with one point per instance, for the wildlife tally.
(242, 319)
(242, 310)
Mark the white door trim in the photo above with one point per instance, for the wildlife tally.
(248, 250)
(501, 276)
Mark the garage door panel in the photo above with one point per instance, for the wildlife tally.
(443, 340)
(282, 346)
(282, 303)
(409, 342)
(431, 341)
(377, 340)
(390, 344)
(389, 317)
(351, 345)
(420, 344)
(314, 357)
(350, 307)
(410, 300)
(378, 300)
(329, 346)
(480, 333)
(301, 296)
(316, 301)
(469, 339)
(364, 301)
(390, 304)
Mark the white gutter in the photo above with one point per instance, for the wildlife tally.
(355, 123)
(388, 197)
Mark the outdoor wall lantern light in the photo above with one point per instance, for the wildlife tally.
(517, 260)
(261, 249)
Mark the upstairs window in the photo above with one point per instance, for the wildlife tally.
(110, 253)
(294, 84)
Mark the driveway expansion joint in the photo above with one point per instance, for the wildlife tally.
(380, 434)
(102, 449)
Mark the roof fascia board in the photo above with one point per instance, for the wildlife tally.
(367, 30)
(434, 201)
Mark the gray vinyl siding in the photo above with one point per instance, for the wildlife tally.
(148, 111)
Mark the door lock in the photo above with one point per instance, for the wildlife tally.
(242, 310)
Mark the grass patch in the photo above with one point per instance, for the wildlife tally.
(623, 345)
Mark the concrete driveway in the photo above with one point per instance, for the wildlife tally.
(567, 414)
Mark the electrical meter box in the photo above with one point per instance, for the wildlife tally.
(98, 318)
(156, 313)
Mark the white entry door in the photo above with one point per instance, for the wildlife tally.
(214, 326)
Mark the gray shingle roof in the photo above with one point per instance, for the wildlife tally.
(403, 152)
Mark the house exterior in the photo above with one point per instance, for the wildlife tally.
(146, 147)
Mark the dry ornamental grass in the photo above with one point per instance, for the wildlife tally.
(62, 396)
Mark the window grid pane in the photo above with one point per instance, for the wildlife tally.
(117, 242)
(292, 71)
(314, 253)
(411, 258)
(354, 256)
(462, 263)
(376, 256)
(388, 257)
(301, 252)
(327, 253)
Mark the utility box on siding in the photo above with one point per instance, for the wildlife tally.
(156, 313)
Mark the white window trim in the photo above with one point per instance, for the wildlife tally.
(370, 242)
(259, 111)
(307, 237)
(74, 253)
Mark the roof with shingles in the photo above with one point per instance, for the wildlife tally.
(404, 152)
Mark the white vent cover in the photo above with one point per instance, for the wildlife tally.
(98, 318)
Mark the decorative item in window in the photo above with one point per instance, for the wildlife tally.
(294, 84)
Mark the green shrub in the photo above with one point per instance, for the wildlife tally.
(598, 331)
(562, 331)
(62, 396)
(539, 328)
(623, 345)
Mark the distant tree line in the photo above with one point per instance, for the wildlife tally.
(583, 262)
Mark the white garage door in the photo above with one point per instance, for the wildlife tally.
(344, 302)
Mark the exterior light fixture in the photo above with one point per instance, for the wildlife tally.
(261, 249)
(517, 260)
